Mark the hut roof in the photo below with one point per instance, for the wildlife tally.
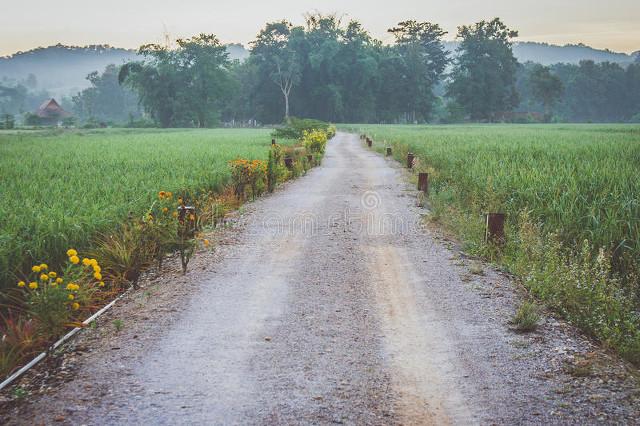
(51, 109)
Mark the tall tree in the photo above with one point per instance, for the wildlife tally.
(546, 88)
(420, 47)
(484, 74)
(276, 55)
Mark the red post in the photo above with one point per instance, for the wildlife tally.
(494, 231)
(410, 160)
(389, 151)
(423, 182)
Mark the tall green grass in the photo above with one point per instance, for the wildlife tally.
(568, 190)
(59, 189)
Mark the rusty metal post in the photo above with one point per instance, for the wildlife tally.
(369, 142)
(389, 153)
(288, 162)
(494, 231)
(410, 157)
(423, 182)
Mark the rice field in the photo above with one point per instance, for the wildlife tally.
(59, 189)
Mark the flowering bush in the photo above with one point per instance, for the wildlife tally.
(52, 298)
(314, 141)
(248, 172)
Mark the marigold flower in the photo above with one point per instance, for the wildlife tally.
(94, 262)
(44, 277)
(164, 210)
(71, 297)
(72, 252)
(73, 287)
(161, 194)
(44, 266)
(35, 268)
(97, 276)
(74, 259)
(86, 262)
(101, 284)
(21, 284)
(75, 306)
(33, 285)
(52, 274)
(169, 194)
(59, 280)
(96, 268)
(174, 214)
(206, 243)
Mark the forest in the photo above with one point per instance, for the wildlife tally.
(336, 71)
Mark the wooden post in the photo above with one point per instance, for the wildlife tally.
(494, 231)
(273, 141)
(389, 151)
(423, 182)
(410, 160)
(369, 142)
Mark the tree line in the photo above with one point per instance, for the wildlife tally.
(336, 71)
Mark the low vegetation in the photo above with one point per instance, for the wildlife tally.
(571, 195)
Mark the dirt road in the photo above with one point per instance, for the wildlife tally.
(332, 304)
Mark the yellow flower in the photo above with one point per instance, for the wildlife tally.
(59, 280)
(96, 268)
(73, 287)
(21, 284)
(101, 284)
(93, 262)
(74, 259)
(33, 285)
(75, 306)
(161, 194)
(71, 297)
(72, 252)
(165, 209)
(97, 276)
(206, 243)
(35, 268)
(86, 262)
(52, 274)
(174, 214)
(44, 266)
(44, 277)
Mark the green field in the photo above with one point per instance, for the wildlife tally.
(560, 185)
(58, 189)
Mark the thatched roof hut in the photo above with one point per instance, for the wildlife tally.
(50, 112)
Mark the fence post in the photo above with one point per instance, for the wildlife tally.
(389, 151)
(494, 230)
(423, 182)
(273, 141)
(410, 157)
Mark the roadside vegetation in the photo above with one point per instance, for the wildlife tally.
(90, 211)
(572, 199)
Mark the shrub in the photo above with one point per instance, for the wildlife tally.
(526, 317)
(252, 173)
(296, 127)
(314, 141)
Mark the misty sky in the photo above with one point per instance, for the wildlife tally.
(613, 24)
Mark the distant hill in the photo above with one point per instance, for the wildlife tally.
(62, 70)
(548, 54)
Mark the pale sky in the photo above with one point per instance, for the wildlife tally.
(613, 24)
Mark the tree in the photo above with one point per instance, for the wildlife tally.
(546, 88)
(277, 57)
(484, 75)
(204, 62)
(423, 56)
(106, 99)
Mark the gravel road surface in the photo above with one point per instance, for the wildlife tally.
(329, 302)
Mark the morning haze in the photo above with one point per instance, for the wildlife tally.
(25, 25)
